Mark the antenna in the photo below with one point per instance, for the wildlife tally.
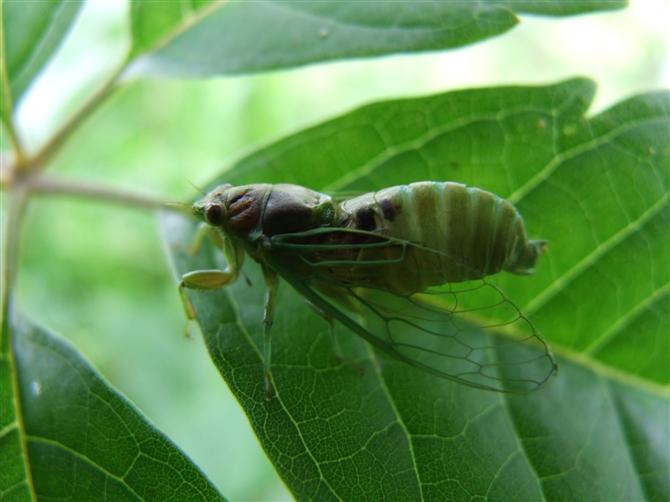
(200, 190)
(182, 207)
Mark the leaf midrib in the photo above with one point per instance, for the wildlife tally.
(609, 395)
(84, 458)
(34, 50)
(18, 410)
(521, 447)
(362, 26)
(5, 88)
(186, 22)
(399, 419)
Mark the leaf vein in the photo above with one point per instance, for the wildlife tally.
(623, 321)
(521, 448)
(399, 420)
(559, 284)
(417, 144)
(571, 153)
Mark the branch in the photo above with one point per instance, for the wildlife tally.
(14, 212)
(17, 145)
(53, 186)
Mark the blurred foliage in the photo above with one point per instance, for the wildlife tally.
(35, 35)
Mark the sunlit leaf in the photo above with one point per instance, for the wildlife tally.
(79, 438)
(31, 32)
(228, 37)
(597, 188)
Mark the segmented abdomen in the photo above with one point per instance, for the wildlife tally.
(467, 233)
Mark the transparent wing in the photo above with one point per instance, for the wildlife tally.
(469, 332)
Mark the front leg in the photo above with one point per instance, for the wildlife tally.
(212, 278)
(203, 279)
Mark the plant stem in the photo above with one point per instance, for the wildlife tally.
(42, 157)
(14, 212)
(17, 198)
(17, 145)
(48, 185)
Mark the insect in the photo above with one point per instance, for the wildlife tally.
(404, 267)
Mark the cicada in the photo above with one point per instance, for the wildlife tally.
(405, 268)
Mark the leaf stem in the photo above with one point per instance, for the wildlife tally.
(14, 212)
(14, 138)
(50, 185)
(18, 195)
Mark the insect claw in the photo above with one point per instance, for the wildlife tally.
(349, 363)
(247, 280)
(191, 329)
(186, 333)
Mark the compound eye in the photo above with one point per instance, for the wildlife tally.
(214, 215)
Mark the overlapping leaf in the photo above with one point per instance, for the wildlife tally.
(79, 439)
(31, 32)
(597, 188)
(228, 37)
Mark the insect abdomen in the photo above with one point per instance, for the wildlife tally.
(475, 233)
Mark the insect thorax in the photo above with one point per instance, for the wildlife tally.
(293, 208)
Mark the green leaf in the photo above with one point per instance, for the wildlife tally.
(31, 32)
(14, 478)
(597, 188)
(78, 437)
(560, 7)
(210, 38)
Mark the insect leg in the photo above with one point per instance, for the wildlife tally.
(268, 317)
(212, 278)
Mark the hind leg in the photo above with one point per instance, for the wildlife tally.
(211, 278)
(272, 283)
(331, 324)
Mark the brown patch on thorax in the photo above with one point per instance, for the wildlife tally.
(244, 210)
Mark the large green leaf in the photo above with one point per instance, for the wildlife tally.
(14, 478)
(597, 188)
(31, 32)
(80, 439)
(228, 37)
